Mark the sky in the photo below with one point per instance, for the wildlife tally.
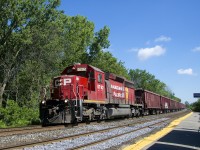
(159, 36)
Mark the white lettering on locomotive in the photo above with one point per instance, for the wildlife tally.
(100, 87)
(58, 82)
(66, 81)
(117, 93)
(81, 69)
(120, 88)
(121, 95)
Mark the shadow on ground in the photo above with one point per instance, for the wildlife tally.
(188, 138)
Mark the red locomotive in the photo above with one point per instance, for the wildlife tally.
(83, 93)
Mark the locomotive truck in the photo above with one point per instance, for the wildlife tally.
(84, 93)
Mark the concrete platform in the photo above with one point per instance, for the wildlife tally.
(181, 134)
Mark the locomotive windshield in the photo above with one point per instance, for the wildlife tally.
(78, 71)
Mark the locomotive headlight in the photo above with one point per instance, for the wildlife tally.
(66, 100)
(43, 102)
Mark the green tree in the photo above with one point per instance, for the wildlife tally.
(108, 63)
(187, 104)
(145, 80)
(196, 106)
(43, 62)
(17, 19)
(78, 35)
(99, 42)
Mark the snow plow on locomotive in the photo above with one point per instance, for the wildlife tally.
(84, 93)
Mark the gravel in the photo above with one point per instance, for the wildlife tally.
(69, 144)
(40, 136)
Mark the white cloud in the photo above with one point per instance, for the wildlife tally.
(196, 49)
(188, 71)
(163, 38)
(145, 53)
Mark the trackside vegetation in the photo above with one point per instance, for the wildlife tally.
(14, 115)
(195, 106)
(37, 41)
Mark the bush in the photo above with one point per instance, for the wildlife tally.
(196, 106)
(15, 116)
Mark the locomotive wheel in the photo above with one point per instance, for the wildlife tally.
(98, 119)
(87, 121)
(44, 124)
(75, 122)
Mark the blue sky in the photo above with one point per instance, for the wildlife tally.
(159, 36)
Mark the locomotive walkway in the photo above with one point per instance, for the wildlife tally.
(181, 134)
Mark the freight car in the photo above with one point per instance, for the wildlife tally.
(155, 104)
(151, 101)
(83, 93)
(165, 104)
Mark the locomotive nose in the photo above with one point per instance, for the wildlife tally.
(64, 87)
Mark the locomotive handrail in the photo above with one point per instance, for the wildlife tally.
(73, 91)
(77, 93)
(80, 101)
(82, 91)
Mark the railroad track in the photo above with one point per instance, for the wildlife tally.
(18, 128)
(77, 137)
(11, 131)
(32, 129)
(36, 128)
(24, 130)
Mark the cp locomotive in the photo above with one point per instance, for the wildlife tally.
(83, 93)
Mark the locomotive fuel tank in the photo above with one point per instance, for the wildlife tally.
(118, 112)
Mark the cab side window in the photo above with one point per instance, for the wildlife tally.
(100, 78)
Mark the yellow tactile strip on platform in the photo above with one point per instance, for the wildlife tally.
(154, 137)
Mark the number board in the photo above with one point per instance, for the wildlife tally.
(81, 69)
